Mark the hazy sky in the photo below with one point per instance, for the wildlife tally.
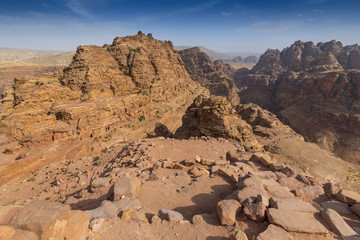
(222, 25)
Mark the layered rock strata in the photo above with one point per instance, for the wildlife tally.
(217, 76)
(313, 88)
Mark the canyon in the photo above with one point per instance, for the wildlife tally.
(135, 139)
(314, 89)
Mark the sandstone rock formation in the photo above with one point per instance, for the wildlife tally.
(256, 129)
(313, 88)
(217, 76)
(105, 91)
(215, 117)
(162, 206)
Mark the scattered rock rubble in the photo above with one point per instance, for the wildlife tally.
(268, 201)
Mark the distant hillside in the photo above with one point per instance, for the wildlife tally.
(243, 54)
(211, 53)
(54, 58)
(62, 59)
(214, 55)
(11, 54)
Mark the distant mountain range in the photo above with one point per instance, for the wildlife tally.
(55, 58)
(214, 55)
(64, 58)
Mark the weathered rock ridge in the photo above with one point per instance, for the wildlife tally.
(215, 117)
(256, 129)
(313, 88)
(104, 90)
(217, 76)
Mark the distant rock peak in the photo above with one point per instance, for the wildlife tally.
(306, 56)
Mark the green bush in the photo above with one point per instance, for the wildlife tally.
(32, 179)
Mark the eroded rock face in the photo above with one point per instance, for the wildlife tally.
(313, 88)
(133, 79)
(121, 77)
(217, 76)
(214, 116)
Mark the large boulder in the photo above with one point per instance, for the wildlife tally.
(9, 233)
(227, 210)
(215, 116)
(48, 220)
(123, 186)
(337, 223)
(7, 212)
(255, 210)
(77, 227)
(295, 221)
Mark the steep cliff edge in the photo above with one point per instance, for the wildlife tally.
(313, 88)
(106, 93)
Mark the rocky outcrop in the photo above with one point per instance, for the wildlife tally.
(104, 91)
(217, 76)
(256, 128)
(214, 116)
(313, 88)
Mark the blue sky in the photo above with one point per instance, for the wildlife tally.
(222, 25)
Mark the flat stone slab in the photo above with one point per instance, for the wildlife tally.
(279, 191)
(348, 197)
(250, 181)
(339, 207)
(264, 174)
(310, 192)
(337, 223)
(292, 205)
(274, 232)
(295, 221)
(46, 219)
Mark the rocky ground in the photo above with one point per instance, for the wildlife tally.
(201, 188)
